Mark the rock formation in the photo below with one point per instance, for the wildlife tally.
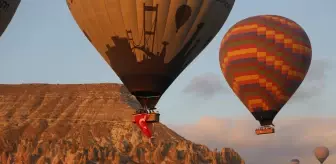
(88, 123)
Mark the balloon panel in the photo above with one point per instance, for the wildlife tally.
(144, 42)
(7, 11)
(264, 60)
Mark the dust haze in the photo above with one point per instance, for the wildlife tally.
(315, 81)
(206, 85)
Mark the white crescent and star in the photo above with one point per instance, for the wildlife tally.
(141, 121)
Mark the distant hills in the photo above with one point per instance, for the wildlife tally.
(88, 123)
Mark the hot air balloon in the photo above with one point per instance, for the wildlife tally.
(321, 153)
(149, 43)
(295, 161)
(264, 59)
(7, 11)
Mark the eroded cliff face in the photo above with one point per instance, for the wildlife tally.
(91, 123)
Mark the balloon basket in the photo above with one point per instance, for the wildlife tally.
(153, 117)
(265, 130)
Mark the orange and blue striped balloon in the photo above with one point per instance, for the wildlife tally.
(264, 59)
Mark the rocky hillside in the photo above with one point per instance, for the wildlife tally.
(87, 123)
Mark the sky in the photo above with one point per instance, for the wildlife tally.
(43, 44)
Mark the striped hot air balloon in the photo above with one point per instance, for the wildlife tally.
(264, 59)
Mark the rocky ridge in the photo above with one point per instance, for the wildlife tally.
(88, 123)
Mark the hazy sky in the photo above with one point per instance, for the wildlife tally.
(44, 44)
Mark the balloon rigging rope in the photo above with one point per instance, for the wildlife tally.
(147, 39)
(143, 36)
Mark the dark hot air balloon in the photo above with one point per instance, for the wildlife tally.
(321, 153)
(264, 59)
(7, 11)
(295, 161)
(140, 41)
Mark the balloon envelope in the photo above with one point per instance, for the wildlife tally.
(264, 59)
(7, 11)
(321, 153)
(145, 42)
(295, 161)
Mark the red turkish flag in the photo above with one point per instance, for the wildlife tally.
(140, 120)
